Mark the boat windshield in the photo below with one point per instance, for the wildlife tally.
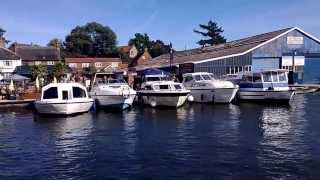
(157, 78)
(282, 77)
(111, 81)
(206, 77)
(267, 77)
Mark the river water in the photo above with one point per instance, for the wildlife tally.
(244, 141)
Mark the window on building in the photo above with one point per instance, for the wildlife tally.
(98, 64)
(72, 65)
(7, 63)
(50, 63)
(51, 93)
(114, 64)
(85, 65)
(78, 92)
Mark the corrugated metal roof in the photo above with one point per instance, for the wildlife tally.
(213, 52)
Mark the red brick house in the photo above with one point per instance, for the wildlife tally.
(100, 63)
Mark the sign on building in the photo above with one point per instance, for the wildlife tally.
(294, 40)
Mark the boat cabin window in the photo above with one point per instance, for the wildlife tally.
(188, 79)
(177, 86)
(65, 95)
(275, 77)
(256, 78)
(247, 78)
(267, 77)
(148, 87)
(197, 77)
(112, 81)
(78, 92)
(51, 93)
(164, 86)
(153, 79)
(206, 77)
(282, 77)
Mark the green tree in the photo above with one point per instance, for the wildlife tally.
(142, 41)
(58, 43)
(59, 70)
(91, 70)
(40, 71)
(212, 34)
(92, 39)
(2, 32)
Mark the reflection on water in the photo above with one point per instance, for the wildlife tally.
(198, 141)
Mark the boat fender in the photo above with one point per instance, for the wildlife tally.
(190, 98)
(153, 103)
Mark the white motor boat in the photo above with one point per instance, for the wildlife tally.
(158, 90)
(111, 90)
(64, 99)
(265, 85)
(205, 88)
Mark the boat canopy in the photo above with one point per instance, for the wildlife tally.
(154, 72)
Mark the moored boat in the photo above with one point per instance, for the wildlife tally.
(158, 90)
(63, 99)
(269, 85)
(110, 90)
(205, 88)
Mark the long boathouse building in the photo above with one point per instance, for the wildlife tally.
(291, 48)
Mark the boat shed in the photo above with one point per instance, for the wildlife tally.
(291, 48)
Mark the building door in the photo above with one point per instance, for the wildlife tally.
(311, 70)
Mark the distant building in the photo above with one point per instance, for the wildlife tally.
(100, 63)
(291, 48)
(35, 55)
(130, 54)
(8, 60)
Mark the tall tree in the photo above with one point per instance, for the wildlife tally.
(212, 34)
(92, 39)
(40, 71)
(59, 70)
(58, 43)
(142, 41)
(2, 32)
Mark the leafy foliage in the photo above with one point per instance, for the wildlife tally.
(142, 41)
(59, 70)
(212, 34)
(40, 71)
(91, 70)
(2, 32)
(92, 39)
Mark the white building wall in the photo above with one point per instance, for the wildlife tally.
(8, 66)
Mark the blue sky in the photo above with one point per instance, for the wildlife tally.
(38, 21)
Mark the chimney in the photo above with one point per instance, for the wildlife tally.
(2, 42)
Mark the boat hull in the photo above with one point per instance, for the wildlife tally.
(65, 108)
(114, 101)
(279, 96)
(163, 99)
(221, 95)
